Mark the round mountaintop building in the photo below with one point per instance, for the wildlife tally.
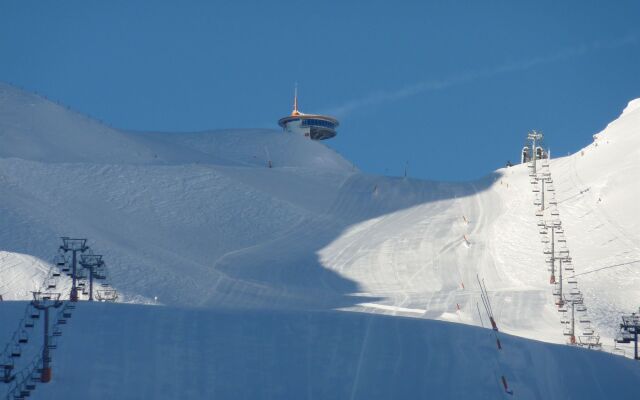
(313, 126)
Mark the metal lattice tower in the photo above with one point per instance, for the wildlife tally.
(44, 301)
(535, 137)
(553, 227)
(630, 328)
(91, 262)
(74, 246)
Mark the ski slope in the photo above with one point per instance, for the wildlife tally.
(199, 223)
(167, 352)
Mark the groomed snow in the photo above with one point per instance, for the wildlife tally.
(199, 220)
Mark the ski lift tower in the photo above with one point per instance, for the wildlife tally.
(91, 262)
(571, 332)
(44, 301)
(553, 226)
(74, 246)
(630, 328)
(535, 138)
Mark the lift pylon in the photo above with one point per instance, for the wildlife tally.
(91, 262)
(44, 301)
(630, 328)
(74, 246)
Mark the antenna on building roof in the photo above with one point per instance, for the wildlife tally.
(295, 101)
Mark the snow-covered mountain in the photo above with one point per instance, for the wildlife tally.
(312, 247)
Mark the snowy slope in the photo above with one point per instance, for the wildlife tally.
(199, 220)
(167, 353)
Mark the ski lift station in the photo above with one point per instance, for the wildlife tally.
(313, 126)
(535, 150)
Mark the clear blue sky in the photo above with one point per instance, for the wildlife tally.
(450, 87)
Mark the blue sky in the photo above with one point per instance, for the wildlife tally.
(449, 87)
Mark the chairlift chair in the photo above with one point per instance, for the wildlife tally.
(623, 338)
(107, 295)
(7, 368)
(576, 298)
(24, 392)
(60, 261)
(590, 341)
(23, 337)
(16, 351)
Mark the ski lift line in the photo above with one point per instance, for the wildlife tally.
(575, 195)
(479, 314)
(487, 296)
(483, 298)
(607, 267)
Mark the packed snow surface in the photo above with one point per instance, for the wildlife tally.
(199, 221)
